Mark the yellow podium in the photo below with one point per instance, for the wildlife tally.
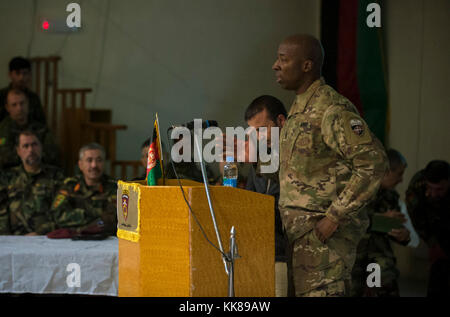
(162, 251)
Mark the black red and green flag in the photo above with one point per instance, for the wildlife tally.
(354, 60)
(155, 169)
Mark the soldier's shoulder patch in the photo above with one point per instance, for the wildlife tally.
(2, 141)
(355, 129)
(63, 192)
(69, 180)
(59, 199)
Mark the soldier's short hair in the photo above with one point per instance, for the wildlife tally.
(146, 143)
(16, 91)
(273, 106)
(25, 132)
(437, 171)
(396, 159)
(91, 146)
(18, 63)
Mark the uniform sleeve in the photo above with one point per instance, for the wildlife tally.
(4, 215)
(348, 135)
(108, 213)
(49, 225)
(8, 156)
(109, 216)
(63, 211)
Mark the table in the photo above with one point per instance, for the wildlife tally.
(58, 266)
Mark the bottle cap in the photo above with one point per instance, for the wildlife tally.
(230, 159)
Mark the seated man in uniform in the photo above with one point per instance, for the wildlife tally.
(428, 202)
(144, 158)
(87, 202)
(20, 75)
(18, 120)
(268, 111)
(27, 191)
(375, 246)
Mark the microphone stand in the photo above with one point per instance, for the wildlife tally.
(231, 262)
(228, 259)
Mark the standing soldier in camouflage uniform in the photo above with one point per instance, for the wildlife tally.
(375, 247)
(88, 200)
(428, 202)
(27, 191)
(330, 166)
(18, 120)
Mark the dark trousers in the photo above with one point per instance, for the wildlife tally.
(439, 278)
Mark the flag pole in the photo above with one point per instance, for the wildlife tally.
(161, 151)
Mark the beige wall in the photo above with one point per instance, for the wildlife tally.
(184, 59)
(418, 50)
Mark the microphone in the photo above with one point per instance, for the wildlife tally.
(190, 125)
(205, 124)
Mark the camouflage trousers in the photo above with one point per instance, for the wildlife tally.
(389, 275)
(324, 269)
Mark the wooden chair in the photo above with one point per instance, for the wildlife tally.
(104, 134)
(45, 85)
(70, 120)
(124, 168)
(72, 113)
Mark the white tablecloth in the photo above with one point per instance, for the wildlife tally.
(42, 265)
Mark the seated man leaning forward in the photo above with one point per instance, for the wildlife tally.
(27, 191)
(88, 200)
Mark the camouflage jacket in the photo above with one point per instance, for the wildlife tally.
(431, 220)
(79, 206)
(376, 242)
(330, 162)
(25, 200)
(8, 133)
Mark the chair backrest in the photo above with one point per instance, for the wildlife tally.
(45, 84)
(124, 169)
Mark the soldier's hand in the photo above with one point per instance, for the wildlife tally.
(325, 229)
(395, 214)
(401, 235)
(242, 150)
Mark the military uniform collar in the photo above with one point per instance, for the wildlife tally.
(15, 127)
(22, 170)
(82, 184)
(302, 100)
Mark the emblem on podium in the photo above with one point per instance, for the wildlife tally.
(125, 204)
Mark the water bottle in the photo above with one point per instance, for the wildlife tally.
(230, 173)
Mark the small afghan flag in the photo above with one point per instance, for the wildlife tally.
(155, 168)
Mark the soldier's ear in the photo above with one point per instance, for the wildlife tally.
(281, 119)
(308, 65)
